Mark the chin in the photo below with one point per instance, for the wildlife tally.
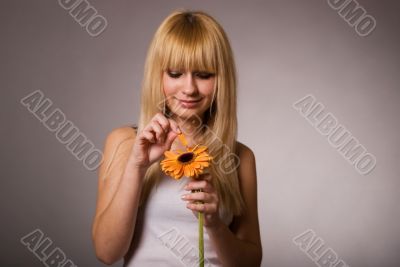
(188, 113)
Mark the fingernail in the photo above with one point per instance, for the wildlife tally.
(183, 197)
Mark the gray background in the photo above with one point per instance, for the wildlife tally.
(284, 50)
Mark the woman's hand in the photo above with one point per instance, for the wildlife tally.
(153, 141)
(205, 201)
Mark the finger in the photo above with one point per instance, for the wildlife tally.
(199, 196)
(149, 127)
(163, 121)
(174, 125)
(202, 207)
(149, 136)
(158, 131)
(170, 139)
(200, 184)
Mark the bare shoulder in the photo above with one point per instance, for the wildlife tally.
(119, 134)
(246, 157)
(116, 151)
(117, 146)
(247, 173)
(118, 137)
(244, 151)
(246, 226)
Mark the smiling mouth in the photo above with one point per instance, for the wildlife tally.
(189, 101)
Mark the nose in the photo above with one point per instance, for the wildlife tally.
(190, 87)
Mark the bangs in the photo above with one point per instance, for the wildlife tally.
(188, 46)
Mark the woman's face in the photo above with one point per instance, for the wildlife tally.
(188, 93)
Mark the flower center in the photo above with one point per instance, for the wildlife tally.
(186, 157)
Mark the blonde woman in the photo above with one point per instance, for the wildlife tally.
(144, 216)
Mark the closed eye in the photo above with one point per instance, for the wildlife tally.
(174, 74)
(204, 75)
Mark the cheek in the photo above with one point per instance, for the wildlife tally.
(207, 88)
(171, 86)
(168, 86)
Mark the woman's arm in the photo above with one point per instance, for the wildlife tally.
(239, 245)
(126, 158)
(119, 188)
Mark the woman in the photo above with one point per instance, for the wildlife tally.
(144, 216)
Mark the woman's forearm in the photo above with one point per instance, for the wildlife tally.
(115, 226)
(233, 251)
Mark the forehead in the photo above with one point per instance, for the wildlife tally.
(189, 62)
(189, 51)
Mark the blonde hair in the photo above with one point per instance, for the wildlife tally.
(193, 40)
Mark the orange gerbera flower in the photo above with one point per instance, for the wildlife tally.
(190, 163)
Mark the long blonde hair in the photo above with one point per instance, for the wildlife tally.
(193, 40)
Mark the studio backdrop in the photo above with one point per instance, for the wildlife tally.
(318, 103)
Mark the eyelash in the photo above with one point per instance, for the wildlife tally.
(201, 75)
(173, 74)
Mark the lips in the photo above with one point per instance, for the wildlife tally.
(189, 103)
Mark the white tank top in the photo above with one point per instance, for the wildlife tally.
(166, 232)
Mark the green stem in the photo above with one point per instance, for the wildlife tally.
(201, 234)
(201, 240)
